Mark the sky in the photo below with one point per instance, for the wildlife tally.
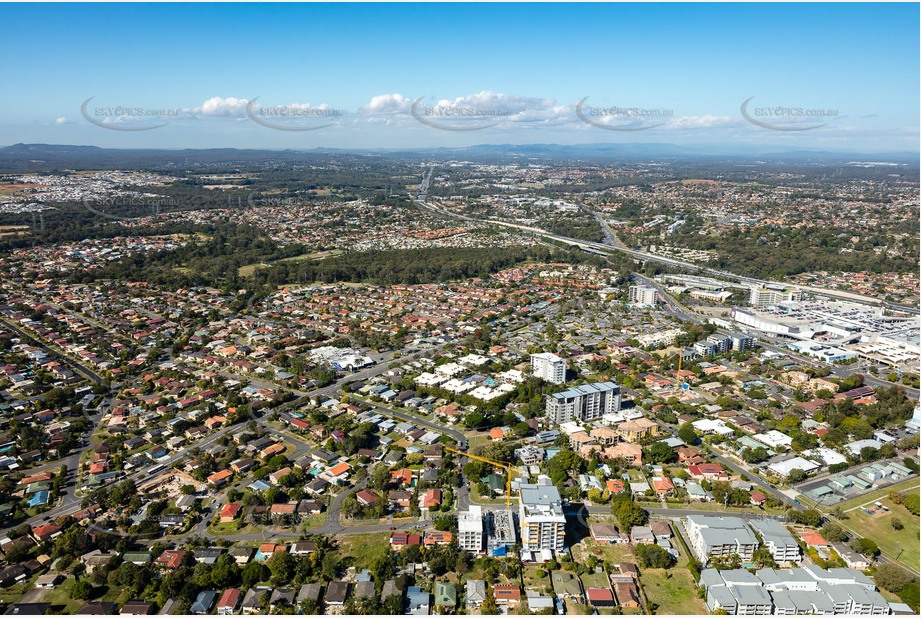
(815, 76)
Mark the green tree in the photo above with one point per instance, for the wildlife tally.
(867, 547)
(654, 557)
(913, 504)
(82, 590)
(282, 565)
(688, 434)
(253, 573)
(892, 577)
(628, 512)
(659, 452)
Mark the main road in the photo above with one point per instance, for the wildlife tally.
(607, 247)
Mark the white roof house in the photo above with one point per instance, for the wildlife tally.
(774, 439)
(783, 468)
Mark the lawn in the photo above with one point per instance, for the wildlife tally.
(879, 529)
(312, 521)
(635, 476)
(673, 590)
(12, 593)
(60, 600)
(532, 580)
(479, 499)
(220, 529)
(364, 548)
(613, 554)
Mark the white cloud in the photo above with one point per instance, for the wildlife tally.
(61, 120)
(703, 122)
(229, 107)
(387, 104)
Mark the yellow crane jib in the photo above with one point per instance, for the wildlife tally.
(508, 468)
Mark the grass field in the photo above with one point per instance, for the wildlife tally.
(247, 270)
(613, 554)
(532, 580)
(479, 499)
(364, 548)
(890, 541)
(60, 600)
(673, 590)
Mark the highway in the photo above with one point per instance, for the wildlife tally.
(616, 246)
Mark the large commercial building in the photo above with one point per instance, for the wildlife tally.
(771, 295)
(548, 367)
(585, 403)
(712, 537)
(810, 590)
(470, 529)
(642, 295)
(540, 510)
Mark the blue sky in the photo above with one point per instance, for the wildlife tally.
(831, 76)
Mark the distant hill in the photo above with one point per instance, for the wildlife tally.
(50, 157)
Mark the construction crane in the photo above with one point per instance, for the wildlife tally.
(506, 467)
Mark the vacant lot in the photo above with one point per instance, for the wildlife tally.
(533, 580)
(890, 541)
(613, 554)
(364, 548)
(673, 590)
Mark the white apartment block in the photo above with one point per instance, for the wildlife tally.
(712, 537)
(771, 295)
(549, 367)
(470, 529)
(587, 402)
(778, 540)
(642, 295)
(540, 511)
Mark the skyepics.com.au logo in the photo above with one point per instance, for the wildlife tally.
(127, 117)
(297, 117)
(130, 206)
(621, 118)
(787, 117)
(457, 116)
(257, 199)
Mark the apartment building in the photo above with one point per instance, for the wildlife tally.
(540, 510)
(549, 367)
(767, 296)
(470, 529)
(585, 403)
(642, 295)
(810, 590)
(712, 537)
(778, 540)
